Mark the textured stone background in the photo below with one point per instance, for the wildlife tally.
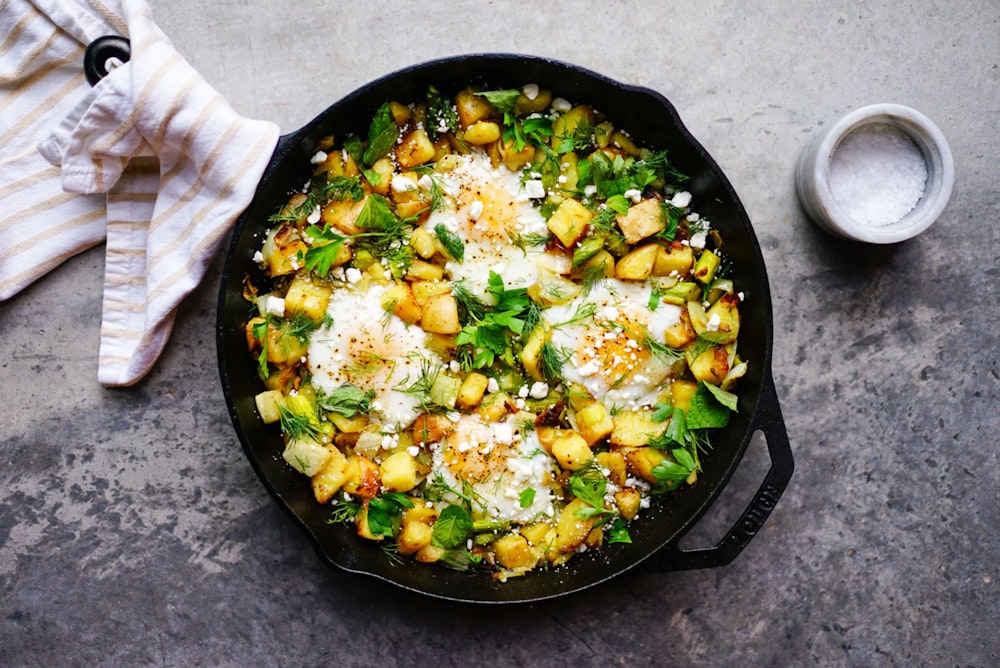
(134, 532)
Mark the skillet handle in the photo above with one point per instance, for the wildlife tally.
(768, 420)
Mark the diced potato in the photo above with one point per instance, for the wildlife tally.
(398, 472)
(287, 258)
(269, 405)
(444, 390)
(568, 223)
(429, 553)
(642, 461)
(531, 354)
(424, 290)
(593, 422)
(307, 297)
(680, 333)
(571, 451)
(711, 365)
(331, 477)
(641, 221)
(571, 530)
(306, 455)
(547, 436)
(635, 428)
(415, 148)
(513, 551)
(343, 215)
(399, 297)
(400, 112)
(723, 323)
(481, 133)
(383, 167)
(423, 244)
(431, 427)
(603, 263)
(494, 407)
(339, 164)
(362, 477)
(564, 125)
(419, 270)
(673, 260)
(529, 105)
(348, 425)
(681, 392)
(613, 461)
(706, 266)
(552, 289)
(622, 141)
(628, 501)
(637, 265)
(414, 536)
(513, 159)
(472, 390)
(440, 315)
(536, 533)
(681, 293)
(472, 108)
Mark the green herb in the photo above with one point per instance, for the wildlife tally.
(550, 362)
(655, 295)
(452, 528)
(710, 407)
(661, 351)
(384, 512)
(451, 242)
(441, 113)
(344, 188)
(382, 135)
(344, 511)
(489, 327)
(527, 497)
(583, 137)
(259, 331)
(321, 256)
(537, 129)
(618, 203)
(670, 215)
(298, 425)
(524, 241)
(618, 533)
(299, 327)
(590, 486)
(347, 400)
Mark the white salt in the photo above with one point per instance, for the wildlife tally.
(877, 174)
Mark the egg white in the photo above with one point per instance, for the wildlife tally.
(606, 354)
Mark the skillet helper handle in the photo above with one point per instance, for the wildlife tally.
(109, 49)
(768, 420)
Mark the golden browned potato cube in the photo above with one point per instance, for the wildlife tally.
(307, 297)
(494, 407)
(440, 315)
(581, 115)
(681, 392)
(723, 319)
(569, 172)
(628, 501)
(472, 390)
(514, 159)
(348, 425)
(424, 290)
(331, 477)
(398, 472)
(593, 422)
(400, 112)
(414, 536)
(673, 260)
(342, 215)
(571, 451)
(529, 105)
(482, 133)
(512, 551)
(420, 270)
(268, 405)
(710, 365)
(472, 108)
(415, 148)
(571, 530)
(613, 462)
(429, 553)
(680, 333)
(337, 163)
(642, 461)
(622, 141)
(431, 427)
(642, 220)
(568, 223)
(399, 297)
(537, 533)
(281, 347)
(637, 265)
(287, 259)
(383, 168)
(362, 477)
(635, 428)
(547, 436)
(423, 244)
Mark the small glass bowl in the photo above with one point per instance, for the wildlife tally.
(812, 174)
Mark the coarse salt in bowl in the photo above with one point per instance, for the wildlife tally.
(879, 174)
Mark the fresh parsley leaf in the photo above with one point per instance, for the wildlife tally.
(527, 497)
(347, 400)
(618, 203)
(502, 99)
(451, 242)
(324, 249)
(385, 510)
(661, 412)
(452, 528)
(382, 135)
(618, 533)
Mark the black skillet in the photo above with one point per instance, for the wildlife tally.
(653, 122)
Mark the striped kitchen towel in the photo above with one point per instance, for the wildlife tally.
(151, 159)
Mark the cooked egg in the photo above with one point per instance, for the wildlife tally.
(501, 463)
(606, 353)
(364, 347)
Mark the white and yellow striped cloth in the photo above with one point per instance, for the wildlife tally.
(152, 159)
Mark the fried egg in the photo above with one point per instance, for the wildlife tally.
(607, 353)
(363, 347)
(500, 462)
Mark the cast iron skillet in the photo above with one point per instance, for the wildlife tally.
(653, 122)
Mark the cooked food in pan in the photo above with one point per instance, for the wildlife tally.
(493, 329)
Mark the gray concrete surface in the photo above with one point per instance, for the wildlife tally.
(134, 532)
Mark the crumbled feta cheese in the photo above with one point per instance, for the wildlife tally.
(713, 323)
(561, 104)
(492, 385)
(539, 390)
(274, 305)
(413, 450)
(401, 184)
(698, 239)
(352, 274)
(314, 216)
(475, 210)
(530, 91)
(425, 182)
(633, 194)
(258, 257)
(319, 157)
(454, 366)
(523, 391)
(504, 433)
(534, 189)
(681, 199)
